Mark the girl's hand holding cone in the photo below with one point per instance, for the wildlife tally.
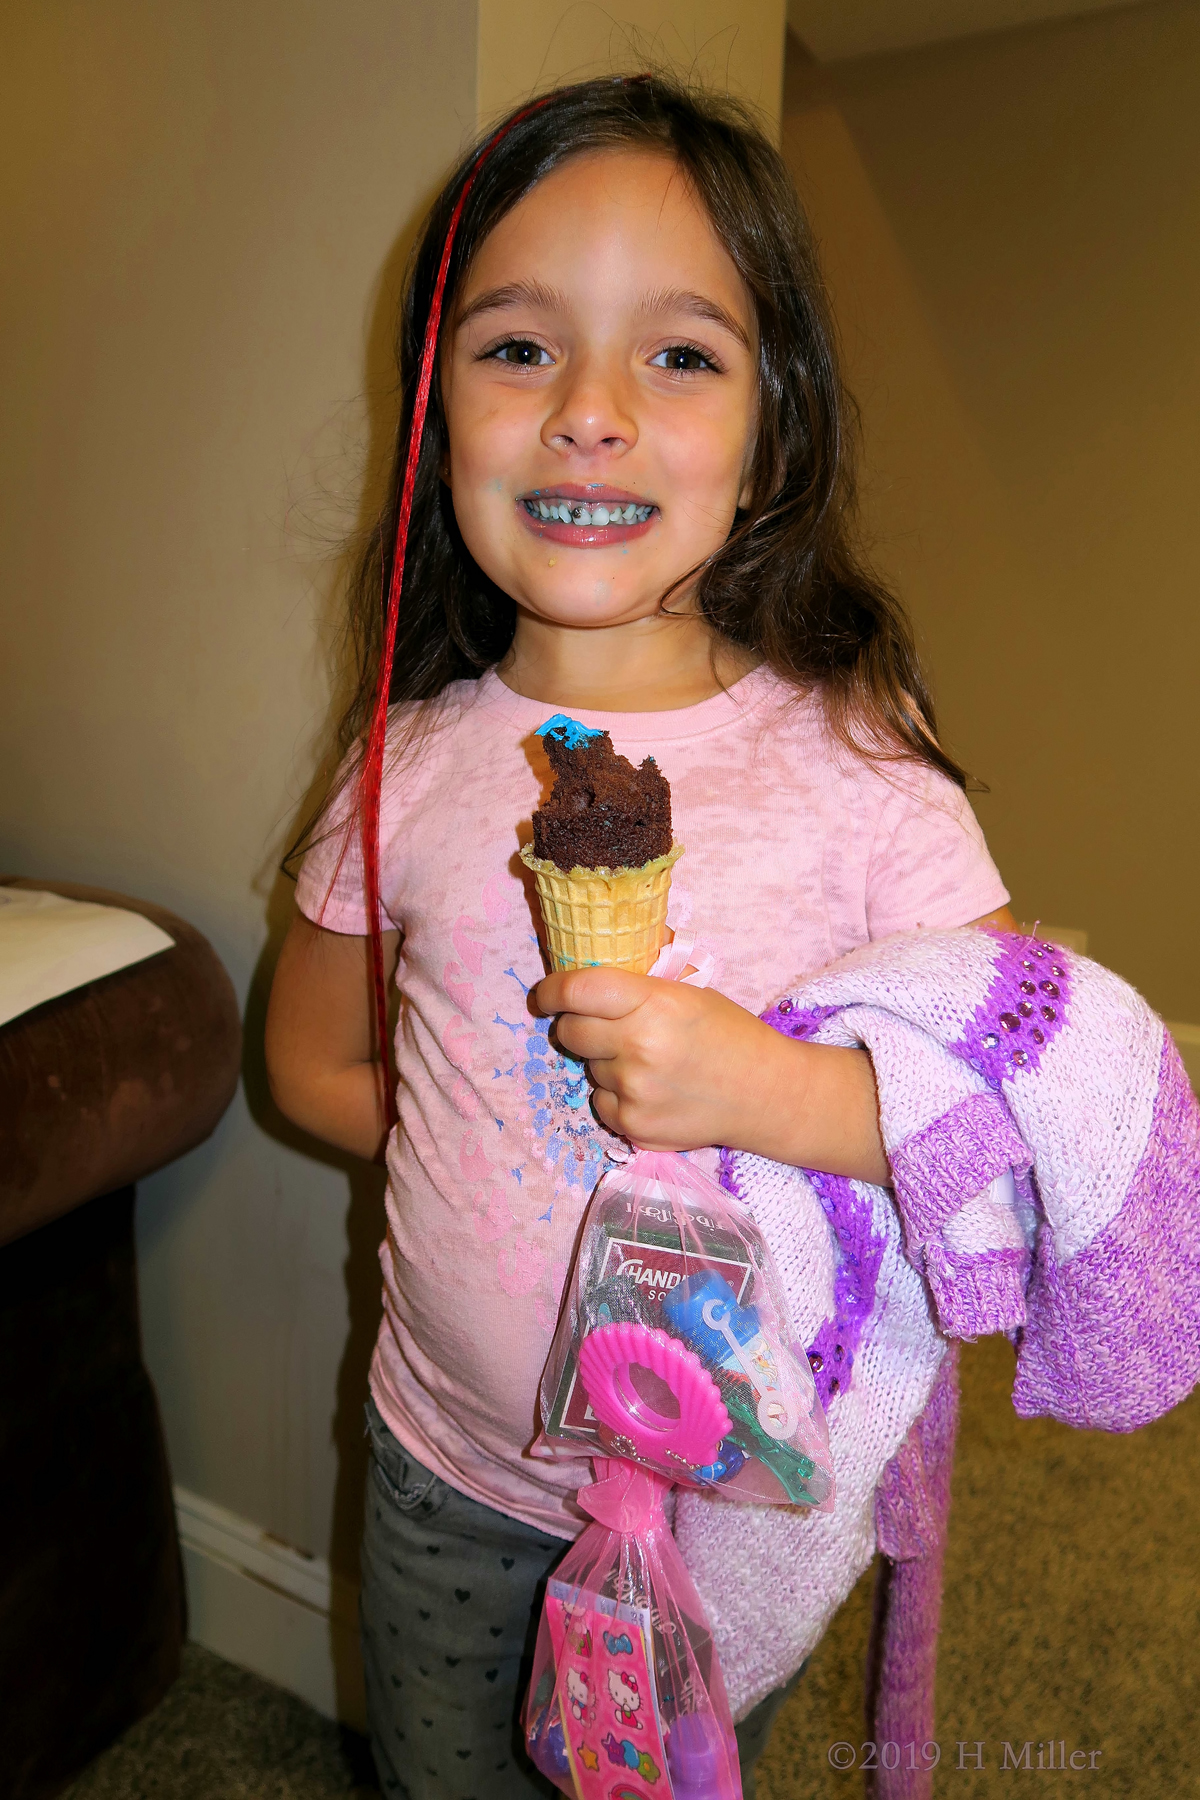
(677, 1068)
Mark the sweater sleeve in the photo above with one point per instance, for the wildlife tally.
(1112, 1332)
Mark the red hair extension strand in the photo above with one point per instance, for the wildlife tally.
(370, 784)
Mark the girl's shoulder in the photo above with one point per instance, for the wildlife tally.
(902, 839)
(796, 725)
(431, 744)
(425, 736)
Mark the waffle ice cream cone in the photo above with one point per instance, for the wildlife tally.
(604, 918)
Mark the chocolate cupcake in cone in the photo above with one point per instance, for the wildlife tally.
(602, 852)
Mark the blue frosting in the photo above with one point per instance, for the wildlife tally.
(572, 733)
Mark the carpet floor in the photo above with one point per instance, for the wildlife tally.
(224, 1734)
(1071, 1613)
(1072, 1616)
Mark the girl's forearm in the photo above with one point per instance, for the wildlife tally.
(342, 1107)
(816, 1107)
(320, 1048)
(676, 1067)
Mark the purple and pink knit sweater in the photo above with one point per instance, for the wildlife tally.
(1045, 1153)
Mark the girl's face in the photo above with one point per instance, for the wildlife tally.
(600, 386)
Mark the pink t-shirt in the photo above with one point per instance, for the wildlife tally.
(796, 852)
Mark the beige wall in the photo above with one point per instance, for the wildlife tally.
(1011, 226)
(205, 210)
(526, 46)
(834, 31)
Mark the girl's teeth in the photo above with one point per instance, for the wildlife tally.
(571, 512)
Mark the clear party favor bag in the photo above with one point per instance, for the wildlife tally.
(626, 1697)
(674, 1344)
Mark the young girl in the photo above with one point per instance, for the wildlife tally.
(631, 504)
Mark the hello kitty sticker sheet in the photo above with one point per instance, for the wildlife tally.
(606, 1694)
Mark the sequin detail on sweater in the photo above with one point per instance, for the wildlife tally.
(831, 1350)
(1024, 1011)
(831, 1353)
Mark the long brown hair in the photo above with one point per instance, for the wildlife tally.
(787, 585)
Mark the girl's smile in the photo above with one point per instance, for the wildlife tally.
(587, 516)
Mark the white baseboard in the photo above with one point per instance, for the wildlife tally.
(269, 1608)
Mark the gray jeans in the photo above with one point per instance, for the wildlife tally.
(451, 1598)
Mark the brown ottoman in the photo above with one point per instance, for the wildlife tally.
(97, 1088)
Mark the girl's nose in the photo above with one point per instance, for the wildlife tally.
(593, 417)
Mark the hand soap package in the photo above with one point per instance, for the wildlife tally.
(626, 1697)
(674, 1344)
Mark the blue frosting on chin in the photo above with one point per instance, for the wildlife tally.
(572, 733)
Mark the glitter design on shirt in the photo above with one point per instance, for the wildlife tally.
(557, 1113)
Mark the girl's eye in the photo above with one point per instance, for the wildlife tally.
(519, 353)
(683, 359)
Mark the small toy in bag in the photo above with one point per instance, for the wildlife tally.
(627, 1699)
(673, 1347)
